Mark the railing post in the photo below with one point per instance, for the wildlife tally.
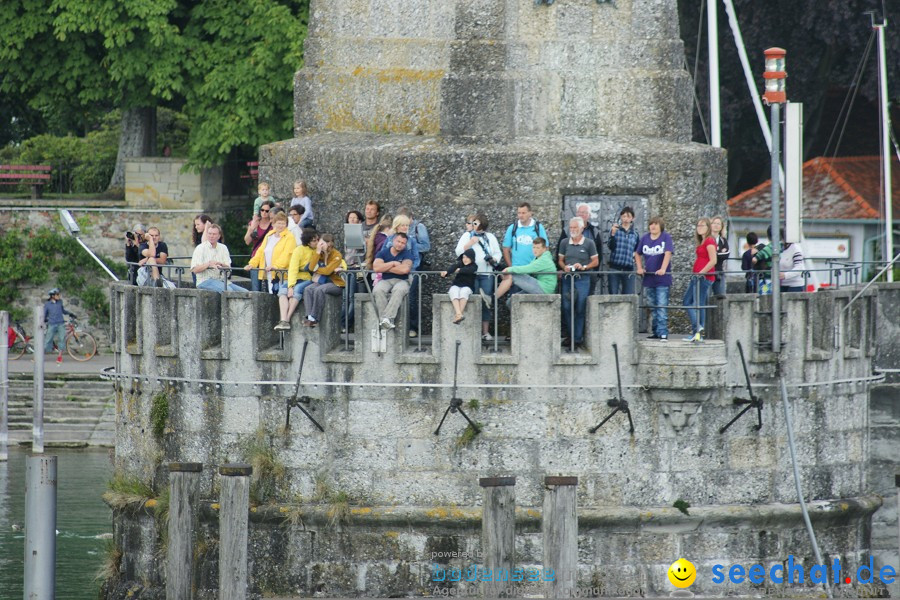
(498, 530)
(496, 302)
(4, 386)
(40, 528)
(37, 427)
(184, 490)
(571, 312)
(234, 511)
(560, 535)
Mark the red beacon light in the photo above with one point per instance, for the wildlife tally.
(775, 75)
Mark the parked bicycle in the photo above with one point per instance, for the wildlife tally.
(80, 344)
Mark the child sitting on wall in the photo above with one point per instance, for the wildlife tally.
(463, 283)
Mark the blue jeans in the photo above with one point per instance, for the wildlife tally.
(621, 282)
(697, 316)
(347, 309)
(55, 333)
(255, 283)
(485, 282)
(582, 290)
(718, 287)
(657, 297)
(217, 285)
(413, 312)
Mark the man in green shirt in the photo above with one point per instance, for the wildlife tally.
(537, 277)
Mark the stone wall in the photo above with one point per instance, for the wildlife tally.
(415, 491)
(168, 183)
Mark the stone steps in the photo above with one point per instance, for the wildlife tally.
(77, 411)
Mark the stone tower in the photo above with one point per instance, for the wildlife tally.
(448, 106)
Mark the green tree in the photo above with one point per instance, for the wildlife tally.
(227, 65)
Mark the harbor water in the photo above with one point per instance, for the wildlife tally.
(83, 522)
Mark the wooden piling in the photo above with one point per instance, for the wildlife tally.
(234, 512)
(560, 533)
(498, 530)
(184, 491)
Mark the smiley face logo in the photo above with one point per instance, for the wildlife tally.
(682, 573)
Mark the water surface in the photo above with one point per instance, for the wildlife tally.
(83, 521)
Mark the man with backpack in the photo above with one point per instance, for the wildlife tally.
(517, 249)
(419, 233)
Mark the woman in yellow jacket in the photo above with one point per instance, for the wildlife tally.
(326, 279)
(298, 276)
(273, 257)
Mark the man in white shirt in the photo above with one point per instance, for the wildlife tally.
(209, 258)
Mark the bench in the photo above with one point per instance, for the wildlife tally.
(35, 175)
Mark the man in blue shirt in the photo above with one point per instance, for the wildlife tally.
(394, 262)
(56, 323)
(517, 249)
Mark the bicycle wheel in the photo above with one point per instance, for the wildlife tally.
(18, 348)
(81, 346)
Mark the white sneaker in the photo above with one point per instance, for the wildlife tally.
(486, 337)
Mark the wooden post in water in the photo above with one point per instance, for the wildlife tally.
(498, 530)
(184, 491)
(40, 528)
(37, 426)
(234, 514)
(560, 527)
(4, 386)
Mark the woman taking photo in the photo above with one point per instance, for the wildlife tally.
(720, 235)
(487, 254)
(698, 290)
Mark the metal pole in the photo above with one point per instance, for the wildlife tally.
(233, 522)
(885, 150)
(419, 313)
(571, 313)
(96, 258)
(4, 386)
(37, 427)
(40, 528)
(776, 233)
(712, 41)
(184, 490)
(496, 304)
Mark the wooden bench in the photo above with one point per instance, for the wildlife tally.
(35, 175)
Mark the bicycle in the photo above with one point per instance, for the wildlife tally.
(80, 345)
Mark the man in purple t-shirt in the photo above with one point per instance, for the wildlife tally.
(653, 260)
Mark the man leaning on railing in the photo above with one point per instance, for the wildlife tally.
(208, 261)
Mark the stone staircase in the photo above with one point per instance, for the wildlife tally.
(79, 410)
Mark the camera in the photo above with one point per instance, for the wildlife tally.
(129, 235)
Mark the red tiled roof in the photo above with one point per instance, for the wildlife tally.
(833, 188)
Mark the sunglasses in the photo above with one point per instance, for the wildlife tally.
(470, 222)
(266, 210)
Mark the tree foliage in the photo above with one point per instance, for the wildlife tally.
(227, 65)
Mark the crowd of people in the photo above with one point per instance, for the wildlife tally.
(291, 259)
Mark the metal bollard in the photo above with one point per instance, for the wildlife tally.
(4, 387)
(184, 491)
(571, 312)
(234, 509)
(40, 528)
(498, 530)
(37, 427)
(560, 533)
(496, 308)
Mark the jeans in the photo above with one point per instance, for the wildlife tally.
(413, 312)
(582, 290)
(347, 309)
(255, 283)
(718, 287)
(526, 284)
(621, 282)
(485, 282)
(657, 297)
(217, 285)
(55, 333)
(697, 316)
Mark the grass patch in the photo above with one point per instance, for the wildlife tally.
(473, 404)
(124, 491)
(159, 414)
(112, 562)
(468, 435)
(338, 501)
(682, 505)
(268, 470)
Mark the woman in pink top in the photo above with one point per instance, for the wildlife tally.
(704, 269)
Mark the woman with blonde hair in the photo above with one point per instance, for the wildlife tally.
(719, 231)
(273, 258)
(698, 290)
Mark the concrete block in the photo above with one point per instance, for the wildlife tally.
(240, 415)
